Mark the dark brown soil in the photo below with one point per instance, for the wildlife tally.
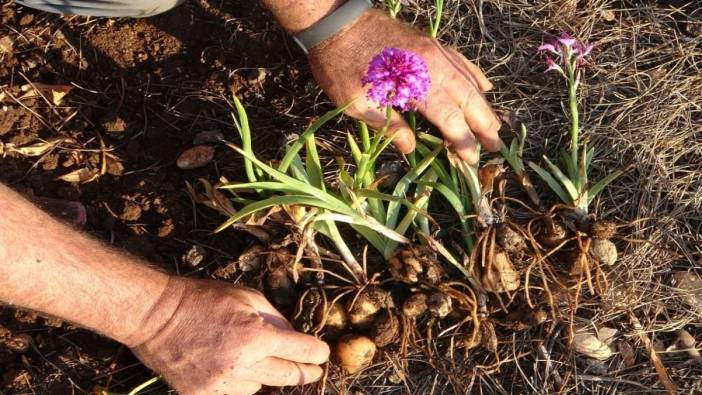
(145, 88)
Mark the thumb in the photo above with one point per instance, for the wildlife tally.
(403, 136)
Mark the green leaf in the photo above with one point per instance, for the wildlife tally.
(436, 164)
(314, 165)
(242, 125)
(597, 188)
(377, 241)
(262, 185)
(300, 142)
(568, 163)
(355, 151)
(451, 197)
(271, 202)
(511, 157)
(565, 181)
(393, 210)
(590, 156)
(336, 204)
(552, 183)
(366, 222)
(297, 169)
(430, 139)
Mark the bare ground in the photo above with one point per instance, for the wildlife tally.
(642, 110)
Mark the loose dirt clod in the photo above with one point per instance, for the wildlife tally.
(604, 251)
(689, 285)
(602, 229)
(554, 234)
(588, 344)
(440, 304)
(511, 240)
(18, 343)
(251, 259)
(415, 305)
(415, 263)
(385, 329)
(685, 341)
(195, 157)
(501, 275)
(355, 352)
(362, 312)
(194, 256)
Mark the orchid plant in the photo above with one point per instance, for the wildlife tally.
(568, 56)
(398, 80)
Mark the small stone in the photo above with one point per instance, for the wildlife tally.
(6, 45)
(608, 15)
(589, 345)
(256, 75)
(131, 212)
(113, 123)
(195, 157)
(439, 304)
(166, 229)
(19, 343)
(208, 137)
(194, 256)
(26, 19)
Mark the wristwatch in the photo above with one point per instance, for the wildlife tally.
(331, 24)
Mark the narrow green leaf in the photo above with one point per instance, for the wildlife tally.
(314, 165)
(297, 169)
(450, 195)
(242, 125)
(565, 181)
(367, 222)
(338, 205)
(430, 139)
(552, 183)
(300, 142)
(355, 151)
(393, 210)
(597, 188)
(590, 156)
(271, 202)
(568, 163)
(262, 185)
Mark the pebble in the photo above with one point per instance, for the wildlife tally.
(194, 256)
(195, 157)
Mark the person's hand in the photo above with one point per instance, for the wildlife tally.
(455, 103)
(223, 339)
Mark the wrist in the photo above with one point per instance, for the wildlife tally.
(159, 312)
(295, 16)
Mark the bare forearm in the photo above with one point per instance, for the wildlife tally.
(48, 267)
(297, 15)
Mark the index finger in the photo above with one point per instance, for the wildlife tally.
(297, 347)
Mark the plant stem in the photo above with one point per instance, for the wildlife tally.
(574, 116)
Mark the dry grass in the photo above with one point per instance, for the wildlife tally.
(643, 112)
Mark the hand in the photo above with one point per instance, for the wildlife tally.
(455, 103)
(223, 339)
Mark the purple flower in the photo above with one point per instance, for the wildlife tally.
(566, 40)
(397, 78)
(552, 65)
(570, 52)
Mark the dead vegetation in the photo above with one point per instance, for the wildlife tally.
(642, 112)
